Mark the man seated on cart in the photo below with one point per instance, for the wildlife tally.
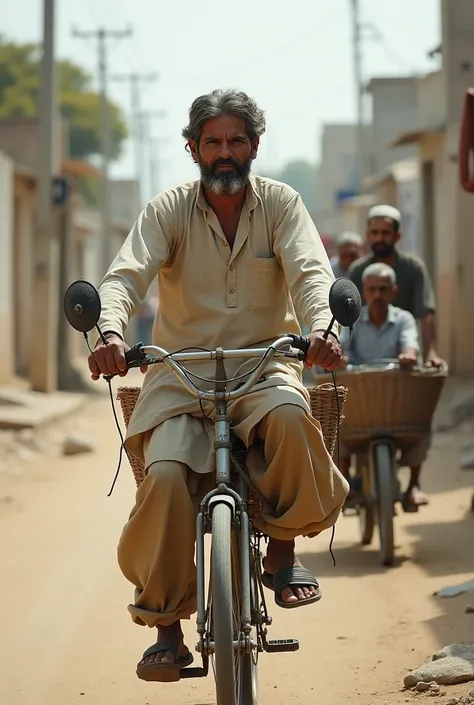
(385, 331)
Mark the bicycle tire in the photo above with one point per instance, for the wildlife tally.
(366, 523)
(248, 685)
(383, 457)
(365, 511)
(222, 604)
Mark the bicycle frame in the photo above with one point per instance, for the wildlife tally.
(223, 491)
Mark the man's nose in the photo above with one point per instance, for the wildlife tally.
(224, 151)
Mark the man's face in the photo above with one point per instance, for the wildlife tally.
(348, 254)
(379, 292)
(382, 236)
(224, 154)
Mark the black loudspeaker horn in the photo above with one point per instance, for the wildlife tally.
(82, 306)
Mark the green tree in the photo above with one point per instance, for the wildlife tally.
(302, 176)
(19, 88)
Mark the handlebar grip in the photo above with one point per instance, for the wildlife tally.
(300, 342)
(135, 354)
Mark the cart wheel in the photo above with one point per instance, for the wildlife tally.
(383, 458)
(365, 510)
(366, 523)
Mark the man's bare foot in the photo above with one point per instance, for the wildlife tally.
(281, 554)
(169, 635)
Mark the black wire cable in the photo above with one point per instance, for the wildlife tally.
(117, 423)
(337, 448)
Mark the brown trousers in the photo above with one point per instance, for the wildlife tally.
(156, 549)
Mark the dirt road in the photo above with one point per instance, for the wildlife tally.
(66, 638)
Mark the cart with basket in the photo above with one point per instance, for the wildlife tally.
(386, 407)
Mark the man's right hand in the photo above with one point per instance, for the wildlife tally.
(407, 359)
(109, 359)
(344, 361)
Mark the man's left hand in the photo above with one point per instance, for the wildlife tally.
(323, 353)
(433, 360)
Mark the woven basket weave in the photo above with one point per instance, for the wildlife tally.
(397, 403)
(325, 407)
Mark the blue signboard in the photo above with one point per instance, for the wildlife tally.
(342, 195)
(61, 191)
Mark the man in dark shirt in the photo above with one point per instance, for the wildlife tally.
(415, 294)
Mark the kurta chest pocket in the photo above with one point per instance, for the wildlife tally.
(264, 279)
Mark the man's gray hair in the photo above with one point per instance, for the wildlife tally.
(349, 238)
(224, 102)
(379, 269)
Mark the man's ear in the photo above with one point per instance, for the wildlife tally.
(194, 149)
(395, 290)
(398, 235)
(254, 146)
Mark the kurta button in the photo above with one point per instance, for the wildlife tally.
(231, 268)
(231, 291)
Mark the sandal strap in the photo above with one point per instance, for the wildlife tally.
(295, 575)
(161, 647)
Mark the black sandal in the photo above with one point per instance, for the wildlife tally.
(287, 577)
(163, 672)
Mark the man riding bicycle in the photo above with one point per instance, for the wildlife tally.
(384, 331)
(237, 258)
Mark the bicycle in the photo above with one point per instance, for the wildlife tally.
(389, 405)
(232, 616)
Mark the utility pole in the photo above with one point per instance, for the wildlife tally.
(102, 35)
(135, 80)
(357, 61)
(155, 164)
(144, 118)
(44, 322)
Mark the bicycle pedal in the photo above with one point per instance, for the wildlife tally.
(193, 672)
(274, 646)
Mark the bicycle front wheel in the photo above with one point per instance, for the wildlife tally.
(223, 626)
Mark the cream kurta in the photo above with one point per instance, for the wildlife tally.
(211, 296)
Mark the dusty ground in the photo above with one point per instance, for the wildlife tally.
(67, 638)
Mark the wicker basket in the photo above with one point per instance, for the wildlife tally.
(396, 403)
(325, 407)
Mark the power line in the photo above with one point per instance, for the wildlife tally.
(101, 35)
(293, 43)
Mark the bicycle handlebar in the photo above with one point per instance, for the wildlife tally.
(138, 356)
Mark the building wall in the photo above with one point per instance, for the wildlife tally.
(394, 110)
(22, 258)
(336, 173)
(431, 100)
(6, 279)
(457, 243)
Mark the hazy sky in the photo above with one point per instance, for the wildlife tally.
(295, 58)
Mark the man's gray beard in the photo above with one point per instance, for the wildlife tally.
(226, 183)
